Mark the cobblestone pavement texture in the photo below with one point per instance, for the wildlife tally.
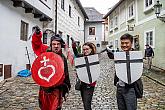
(22, 93)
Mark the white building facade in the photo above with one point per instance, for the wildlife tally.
(70, 20)
(17, 19)
(94, 27)
(138, 18)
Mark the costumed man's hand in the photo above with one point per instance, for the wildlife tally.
(37, 30)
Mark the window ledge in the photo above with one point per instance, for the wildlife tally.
(62, 9)
(148, 9)
(131, 18)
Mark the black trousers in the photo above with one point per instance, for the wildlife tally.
(126, 98)
(87, 94)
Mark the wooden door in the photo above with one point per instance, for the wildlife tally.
(1, 70)
(28, 66)
(7, 71)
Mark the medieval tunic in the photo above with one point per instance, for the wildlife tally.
(50, 98)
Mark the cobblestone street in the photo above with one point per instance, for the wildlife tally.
(22, 93)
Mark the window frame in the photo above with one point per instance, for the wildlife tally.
(78, 21)
(111, 24)
(92, 33)
(149, 7)
(24, 31)
(122, 14)
(132, 16)
(116, 21)
(153, 37)
(45, 38)
(116, 44)
(70, 11)
(68, 37)
(63, 4)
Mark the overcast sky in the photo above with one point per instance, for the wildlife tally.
(100, 5)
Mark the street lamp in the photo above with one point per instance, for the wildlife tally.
(157, 8)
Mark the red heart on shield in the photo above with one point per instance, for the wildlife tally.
(44, 71)
(48, 69)
(45, 74)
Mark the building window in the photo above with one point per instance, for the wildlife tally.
(149, 38)
(131, 10)
(136, 42)
(70, 10)
(116, 44)
(111, 23)
(24, 31)
(122, 15)
(91, 30)
(45, 35)
(62, 4)
(148, 4)
(78, 21)
(116, 21)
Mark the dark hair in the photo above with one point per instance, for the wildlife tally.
(127, 36)
(92, 46)
(57, 38)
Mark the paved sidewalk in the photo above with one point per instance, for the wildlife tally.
(158, 76)
(22, 93)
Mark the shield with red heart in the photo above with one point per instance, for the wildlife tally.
(48, 69)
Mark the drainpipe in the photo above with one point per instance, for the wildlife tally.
(56, 18)
(84, 29)
(104, 31)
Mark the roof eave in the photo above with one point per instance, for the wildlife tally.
(115, 6)
(82, 9)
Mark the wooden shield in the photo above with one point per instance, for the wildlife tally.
(128, 65)
(88, 68)
(48, 69)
